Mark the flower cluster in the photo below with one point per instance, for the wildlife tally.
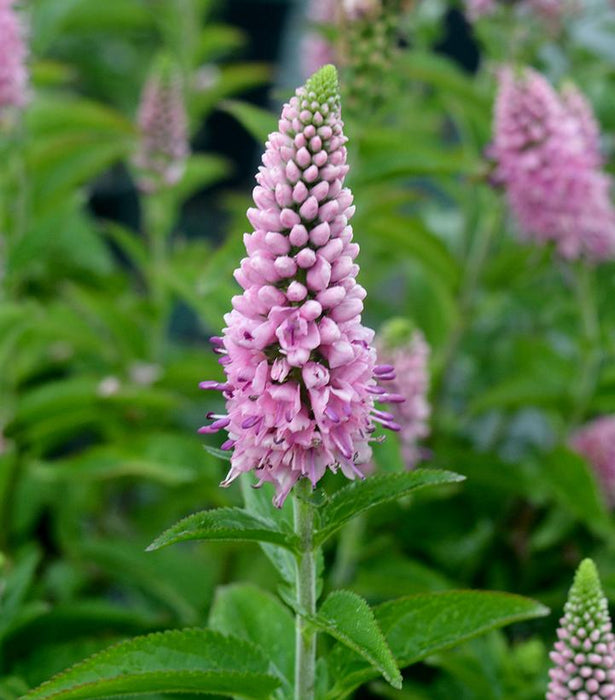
(360, 36)
(13, 54)
(301, 373)
(550, 10)
(596, 442)
(547, 158)
(475, 9)
(410, 359)
(316, 50)
(163, 129)
(584, 655)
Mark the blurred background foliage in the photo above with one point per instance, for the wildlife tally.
(108, 298)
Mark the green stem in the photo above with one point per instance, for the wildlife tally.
(157, 230)
(305, 635)
(471, 278)
(590, 331)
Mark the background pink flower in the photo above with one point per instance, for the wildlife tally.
(596, 442)
(13, 55)
(546, 152)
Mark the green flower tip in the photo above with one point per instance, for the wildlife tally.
(397, 332)
(586, 584)
(324, 84)
(165, 68)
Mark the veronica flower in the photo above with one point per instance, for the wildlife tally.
(410, 360)
(547, 159)
(13, 54)
(301, 372)
(550, 10)
(475, 9)
(163, 129)
(584, 655)
(596, 442)
(316, 49)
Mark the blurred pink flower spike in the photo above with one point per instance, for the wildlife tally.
(407, 352)
(475, 9)
(13, 55)
(163, 130)
(546, 150)
(301, 372)
(548, 161)
(584, 655)
(596, 442)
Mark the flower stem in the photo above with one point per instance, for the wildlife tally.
(590, 331)
(305, 635)
(474, 264)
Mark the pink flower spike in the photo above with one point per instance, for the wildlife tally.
(407, 356)
(301, 375)
(163, 127)
(584, 655)
(546, 150)
(13, 54)
(596, 442)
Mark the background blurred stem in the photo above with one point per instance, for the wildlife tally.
(157, 231)
(305, 635)
(15, 213)
(589, 323)
(475, 261)
(348, 551)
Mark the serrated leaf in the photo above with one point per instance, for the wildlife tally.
(257, 616)
(420, 625)
(192, 660)
(258, 122)
(225, 524)
(360, 496)
(349, 619)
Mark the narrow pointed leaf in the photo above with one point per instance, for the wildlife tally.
(363, 495)
(191, 660)
(259, 122)
(225, 524)
(217, 452)
(349, 619)
(420, 625)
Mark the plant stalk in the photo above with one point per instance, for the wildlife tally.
(305, 634)
(590, 332)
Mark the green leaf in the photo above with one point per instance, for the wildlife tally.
(258, 617)
(410, 236)
(15, 586)
(258, 502)
(573, 484)
(360, 496)
(225, 524)
(202, 171)
(420, 625)
(218, 39)
(192, 660)
(217, 452)
(349, 619)
(258, 122)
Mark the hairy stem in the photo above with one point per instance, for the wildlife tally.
(305, 635)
